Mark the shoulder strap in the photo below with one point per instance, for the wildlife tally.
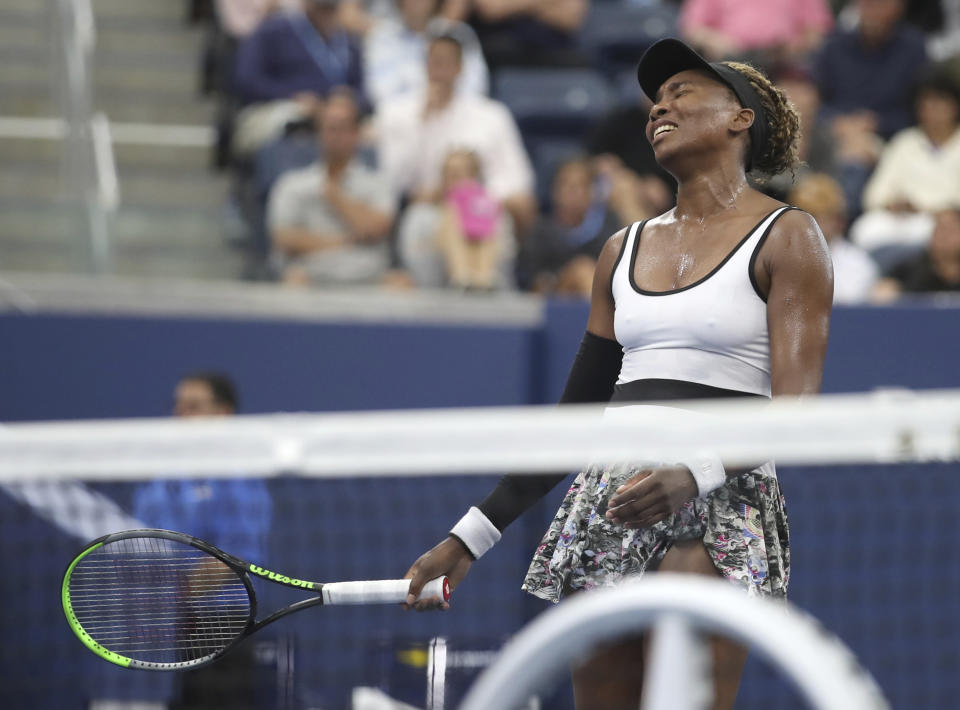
(764, 231)
(626, 250)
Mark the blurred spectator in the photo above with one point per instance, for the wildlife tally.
(329, 222)
(620, 135)
(471, 225)
(918, 173)
(530, 32)
(239, 18)
(774, 29)
(936, 269)
(288, 66)
(943, 42)
(395, 53)
(360, 16)
(415, 134)
(233, 514)
(854, 272)
(432, 239)
(632, 197)
(561, 254)
(866, 77)
(231, 22)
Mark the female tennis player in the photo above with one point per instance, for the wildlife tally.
(726, 295)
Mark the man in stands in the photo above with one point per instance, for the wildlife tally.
(329, 221)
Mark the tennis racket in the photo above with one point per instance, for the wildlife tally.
(162, 601)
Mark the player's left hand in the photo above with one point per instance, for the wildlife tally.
(651, 496)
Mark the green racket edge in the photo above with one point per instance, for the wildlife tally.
(105, 653)
(74, 623)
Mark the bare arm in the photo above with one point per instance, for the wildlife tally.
(795, 270)
(297, 241)
(566, 15)
(522, 207)
(496, 10)
(455, 9)
(714, 44)
(450, 556)
(366, 223)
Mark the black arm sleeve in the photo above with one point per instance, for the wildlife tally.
(592, 377)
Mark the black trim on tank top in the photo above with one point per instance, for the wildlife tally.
(653, 390)
(623, 247)
(636, 249)
(752, 267)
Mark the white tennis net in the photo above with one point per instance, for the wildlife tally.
(886, 426)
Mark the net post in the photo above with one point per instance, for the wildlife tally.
(678, 677)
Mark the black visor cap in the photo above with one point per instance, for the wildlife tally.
(670, 56)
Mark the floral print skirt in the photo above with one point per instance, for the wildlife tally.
(743, 525)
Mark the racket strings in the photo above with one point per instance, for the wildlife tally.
(158, 600)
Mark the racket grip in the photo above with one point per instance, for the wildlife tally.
(381, 591)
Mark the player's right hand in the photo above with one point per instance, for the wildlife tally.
(448, 558)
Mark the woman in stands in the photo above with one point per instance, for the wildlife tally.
(726, 295)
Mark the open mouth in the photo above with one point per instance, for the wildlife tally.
(665, 128)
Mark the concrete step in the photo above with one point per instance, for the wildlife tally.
(134, 106)
(28, 256)
(49, 153)
(141, 73)
(160, 187)
(140, 9)
(49, 220)
(33, 33)
(24, 35)
(174, 38)
(144, 242)
(134, 58)
(13, 10)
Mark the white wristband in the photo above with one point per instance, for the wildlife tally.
(476, 532)
(707, 470)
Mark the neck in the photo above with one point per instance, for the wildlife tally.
(324, 29)
(706, 194)
(939, 135)
(441, 94)
(874, 38)
(336, 166)
(571, 217)
(416, 26)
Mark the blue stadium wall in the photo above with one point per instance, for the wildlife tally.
(874, 547)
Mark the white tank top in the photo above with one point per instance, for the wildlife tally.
(713, 332)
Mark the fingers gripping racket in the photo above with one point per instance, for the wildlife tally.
(160, 600)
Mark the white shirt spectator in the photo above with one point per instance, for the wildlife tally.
(394, 59)
(913, 169)
(854, 272)
(297, 201)
(412, 147)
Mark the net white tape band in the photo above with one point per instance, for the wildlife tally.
(476, 532)
(876, 428)
(380, 591)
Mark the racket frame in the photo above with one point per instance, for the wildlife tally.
(240, 567)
